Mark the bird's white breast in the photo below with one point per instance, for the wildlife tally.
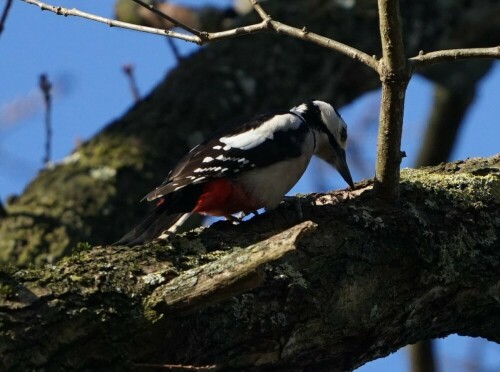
(268, 185)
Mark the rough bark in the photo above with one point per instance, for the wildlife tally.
(92, 195)
(352, 283)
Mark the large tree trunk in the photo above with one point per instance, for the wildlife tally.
(93, 194)
(352, 282)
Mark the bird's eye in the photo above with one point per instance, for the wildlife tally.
(343, 134)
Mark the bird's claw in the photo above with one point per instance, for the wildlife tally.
(238, 217)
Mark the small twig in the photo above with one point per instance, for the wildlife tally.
(240, 31)
(177, 366)
(113, 23)
(5, 14)
(174, 21)
(450, 55)
(128, 70)
(46, 87)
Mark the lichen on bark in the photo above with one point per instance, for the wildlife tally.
(368, 280)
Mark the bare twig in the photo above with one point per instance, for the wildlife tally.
(450, 55)
(46, 87)
(240, 31)
(128, 70)
(174, 21)
(5, 13)
(209, 36)
(112, 23)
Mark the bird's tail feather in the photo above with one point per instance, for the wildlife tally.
(151, 227)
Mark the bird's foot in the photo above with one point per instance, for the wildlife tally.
(238, 217)
(234, 219)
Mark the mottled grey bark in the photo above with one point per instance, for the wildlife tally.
(352, 283)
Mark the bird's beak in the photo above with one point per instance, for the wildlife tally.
(343, 169)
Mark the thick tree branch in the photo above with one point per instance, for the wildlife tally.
(365, 282)
(231, 274)
(328, 301)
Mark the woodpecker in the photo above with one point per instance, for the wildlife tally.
(245, 167)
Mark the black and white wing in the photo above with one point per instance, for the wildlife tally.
(265, 140)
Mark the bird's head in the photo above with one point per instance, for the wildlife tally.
(330, 132)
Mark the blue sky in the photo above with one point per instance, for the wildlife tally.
(84, 60)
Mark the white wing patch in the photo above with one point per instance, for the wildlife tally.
(266, 130)
(240, 161)
(210, 169)
(208, 159)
